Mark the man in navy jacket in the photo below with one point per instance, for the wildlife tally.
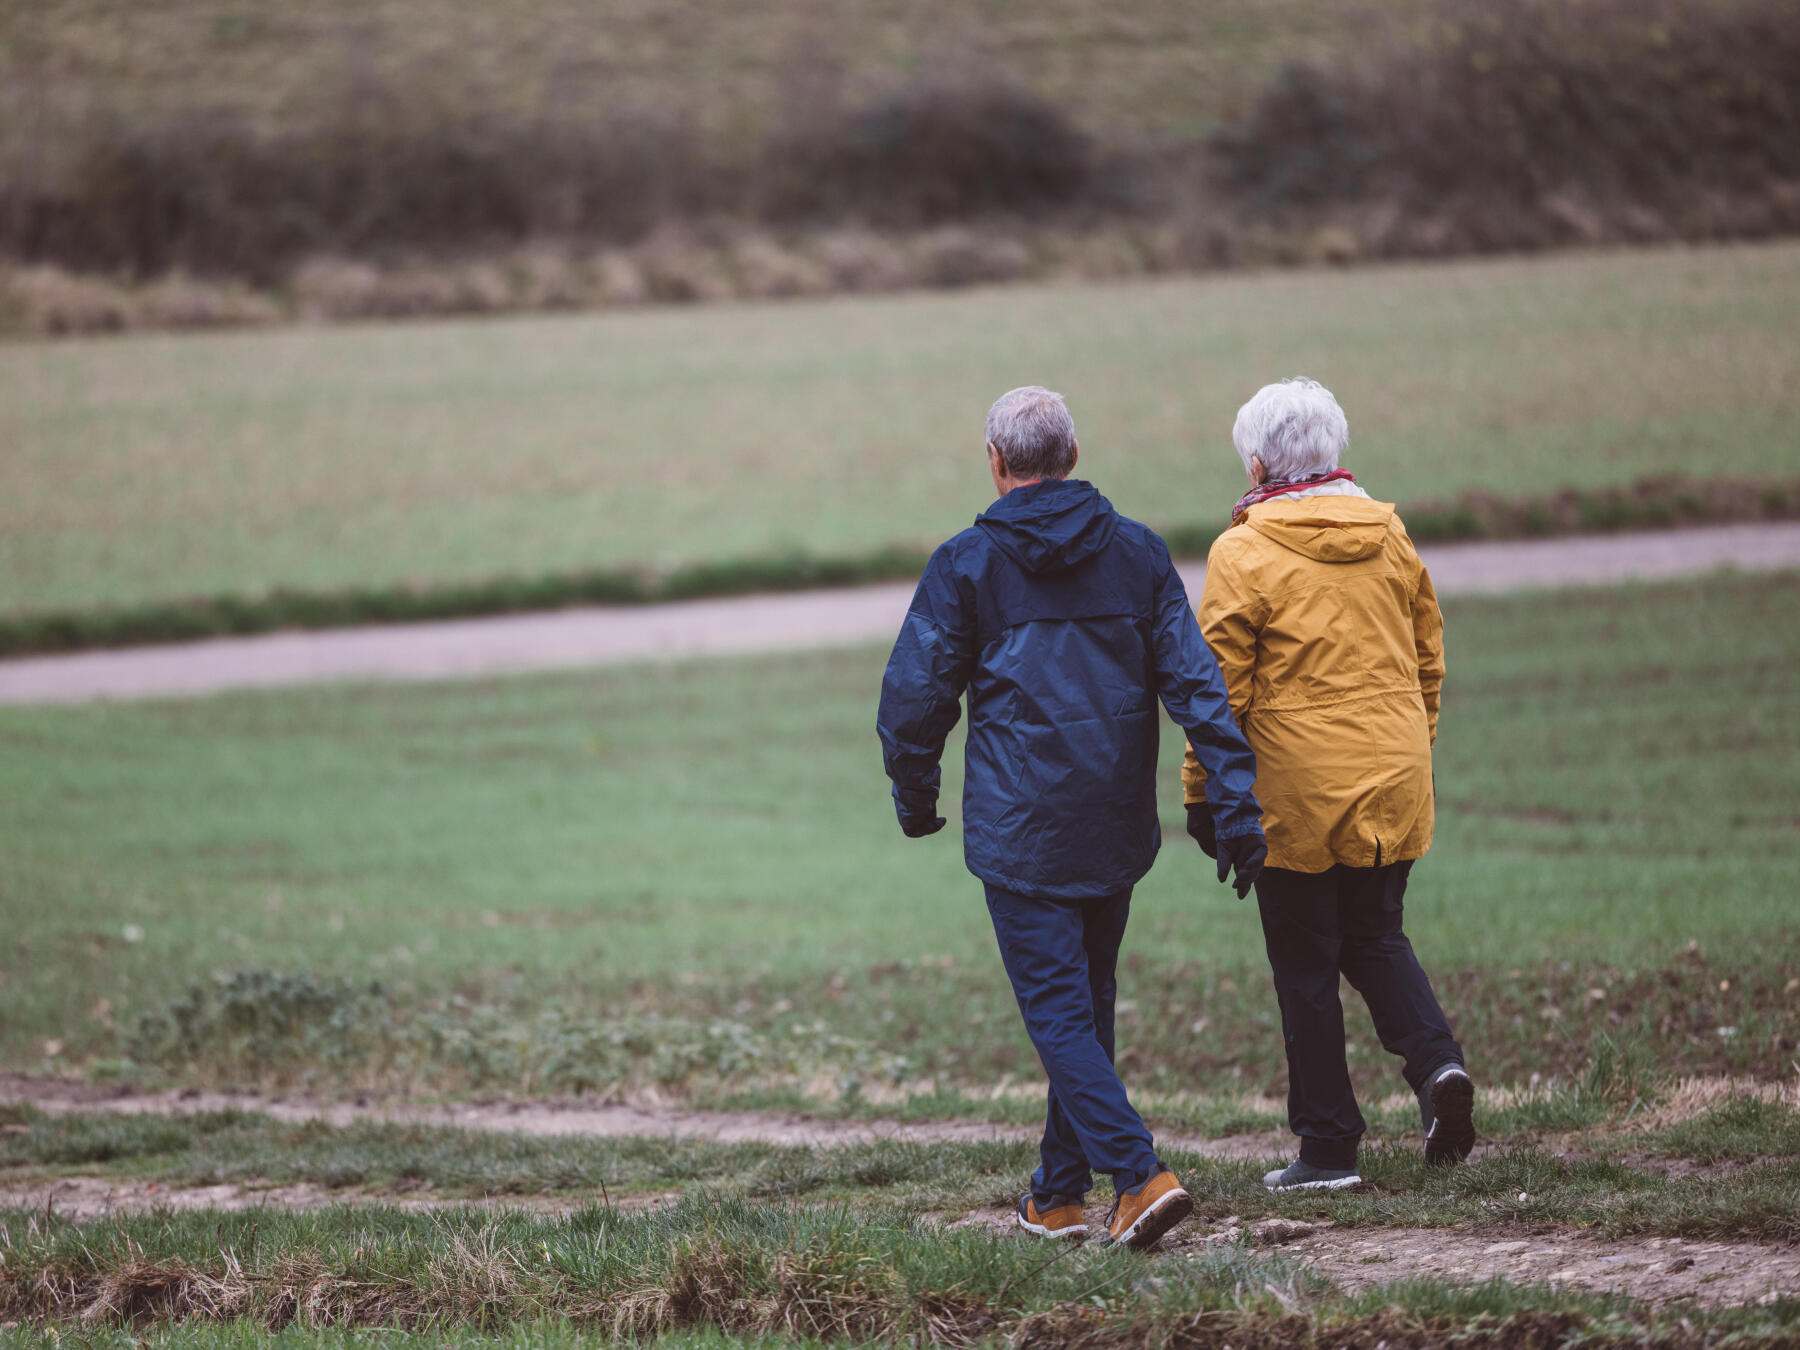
(1064, 623)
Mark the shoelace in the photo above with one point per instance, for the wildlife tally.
(1112, 1214)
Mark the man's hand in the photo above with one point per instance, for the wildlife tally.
(917, 812)
(917, 827)
(1246, 853)
(1201, 829)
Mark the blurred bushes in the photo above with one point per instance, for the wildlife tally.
(1536, 122)
(402, 170)
(1512, 124)
(931, 153)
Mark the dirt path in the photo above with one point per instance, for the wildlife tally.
(607, 636)
(593, 1120)
(85, 1197)
(1656, 1270)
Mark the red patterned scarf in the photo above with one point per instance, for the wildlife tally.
(1262, 492)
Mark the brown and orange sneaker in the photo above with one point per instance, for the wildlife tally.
(1140, 1217)
(1059, 1221)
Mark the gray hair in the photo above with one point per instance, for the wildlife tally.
(1296, 428)
(1032, 430)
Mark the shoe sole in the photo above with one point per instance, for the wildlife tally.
(1341, 1184)
(1155, 1221)
(1054, 1234)
(1452, 1136)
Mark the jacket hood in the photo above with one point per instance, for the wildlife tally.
(1050, 526)
(1327, 529)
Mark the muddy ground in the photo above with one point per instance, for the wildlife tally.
(1656, 1270)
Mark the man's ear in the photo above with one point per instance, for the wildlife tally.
(996, 461)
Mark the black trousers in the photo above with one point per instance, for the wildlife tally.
(1347, 921)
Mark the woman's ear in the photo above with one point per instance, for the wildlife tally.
(1258, 474)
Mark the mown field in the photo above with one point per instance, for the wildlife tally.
(690, 877)
(157, 468)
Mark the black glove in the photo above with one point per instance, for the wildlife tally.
(1246, 853)
(1201, 828)
(918, 813)
(917, 827)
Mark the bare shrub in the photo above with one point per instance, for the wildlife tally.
(335, 288)
(958, 256)
(483, 288)
(861, 260)
(182, 301)
(677, 266)
(51, 301)
(546, 278)
(338, 288)
(765, 269)
(1096, 255)
(618, 280)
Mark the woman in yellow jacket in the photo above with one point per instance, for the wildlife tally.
(1327, 629)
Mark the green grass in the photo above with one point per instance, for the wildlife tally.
(148, 469)
(828, 1272)
(689, 875)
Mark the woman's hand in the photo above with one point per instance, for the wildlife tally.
(1246, 853)
(1200, 827)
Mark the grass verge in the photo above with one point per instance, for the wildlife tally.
(1648, 503)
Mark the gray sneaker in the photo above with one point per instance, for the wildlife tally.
(1447, 1110)
(1303, 1176)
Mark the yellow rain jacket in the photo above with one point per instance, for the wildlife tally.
(1326, 626)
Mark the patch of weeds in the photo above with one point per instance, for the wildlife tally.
(726, 1267)
(1740, 1128)
(264, 1028)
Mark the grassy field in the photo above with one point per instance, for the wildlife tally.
(153, 468)
(690, 876)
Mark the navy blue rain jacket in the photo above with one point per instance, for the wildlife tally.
(1064, 622)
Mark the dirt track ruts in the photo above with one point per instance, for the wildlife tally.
(607, 636)
(591, 1119)
(1659, 1270)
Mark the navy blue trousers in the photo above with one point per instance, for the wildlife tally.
(1061, 956)
(1345, 922)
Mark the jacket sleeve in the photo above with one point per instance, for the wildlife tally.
(921, 692)
(1428, 638)
(1231, 618)
(1193, 690)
